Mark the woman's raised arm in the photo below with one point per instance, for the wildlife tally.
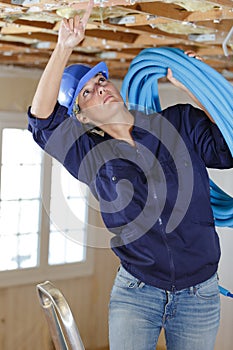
(71, 33)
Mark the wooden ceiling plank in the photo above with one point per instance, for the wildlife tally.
(111, 35)
(223, 25)
(227, 3)
(149, 20)
(167, 10)
(16, 29)
(5, 47)
(37, 24)
(38, 36)
(215, 50)
(117, 28)
(33, 59)
(9, 5)
(113, 45)
(103, 44)
(154, 40)
(6, 2)
(213, 15)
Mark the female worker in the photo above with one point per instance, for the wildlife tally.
(137, 166)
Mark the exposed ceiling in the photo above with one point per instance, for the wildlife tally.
(118, 30)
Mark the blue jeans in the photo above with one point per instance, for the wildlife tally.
(137, 313)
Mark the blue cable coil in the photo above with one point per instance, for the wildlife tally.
(215, 93)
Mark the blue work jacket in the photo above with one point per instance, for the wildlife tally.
(153, 197)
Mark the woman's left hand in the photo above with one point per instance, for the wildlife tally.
(193, 54)
(174, 81)
(179, 85)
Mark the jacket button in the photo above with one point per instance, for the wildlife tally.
(114, 178)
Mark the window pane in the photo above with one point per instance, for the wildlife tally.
(27, 250)
(20, 181)
(29, 216)
(9, 217)
(68, 215)
(19, 148)
(20, 200)
(18, 251)
(66, 250)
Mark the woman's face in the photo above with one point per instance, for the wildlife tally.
(99, 100)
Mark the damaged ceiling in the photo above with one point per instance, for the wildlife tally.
(117, 31)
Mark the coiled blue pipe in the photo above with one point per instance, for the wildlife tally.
(210, 88)
(215, 93)
(222, 206)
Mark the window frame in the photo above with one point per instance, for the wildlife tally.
(43, 271)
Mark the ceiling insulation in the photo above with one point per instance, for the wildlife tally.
(195, 5)
(117, 31)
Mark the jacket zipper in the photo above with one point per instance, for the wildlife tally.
(164, 235)
(171, 261)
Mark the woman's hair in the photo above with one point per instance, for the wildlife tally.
(76, 108)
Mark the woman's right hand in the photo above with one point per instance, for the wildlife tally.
(72, 30)
(71, 33)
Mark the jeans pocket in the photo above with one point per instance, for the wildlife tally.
(209, 289)
(125, 280)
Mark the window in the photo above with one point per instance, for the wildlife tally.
(43, 212)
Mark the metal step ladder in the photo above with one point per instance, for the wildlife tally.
(62, 326)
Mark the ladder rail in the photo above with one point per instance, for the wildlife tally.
(62, 326)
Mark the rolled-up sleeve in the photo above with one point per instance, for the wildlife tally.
(42, 129)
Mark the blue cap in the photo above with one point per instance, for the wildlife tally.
(73, 80)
